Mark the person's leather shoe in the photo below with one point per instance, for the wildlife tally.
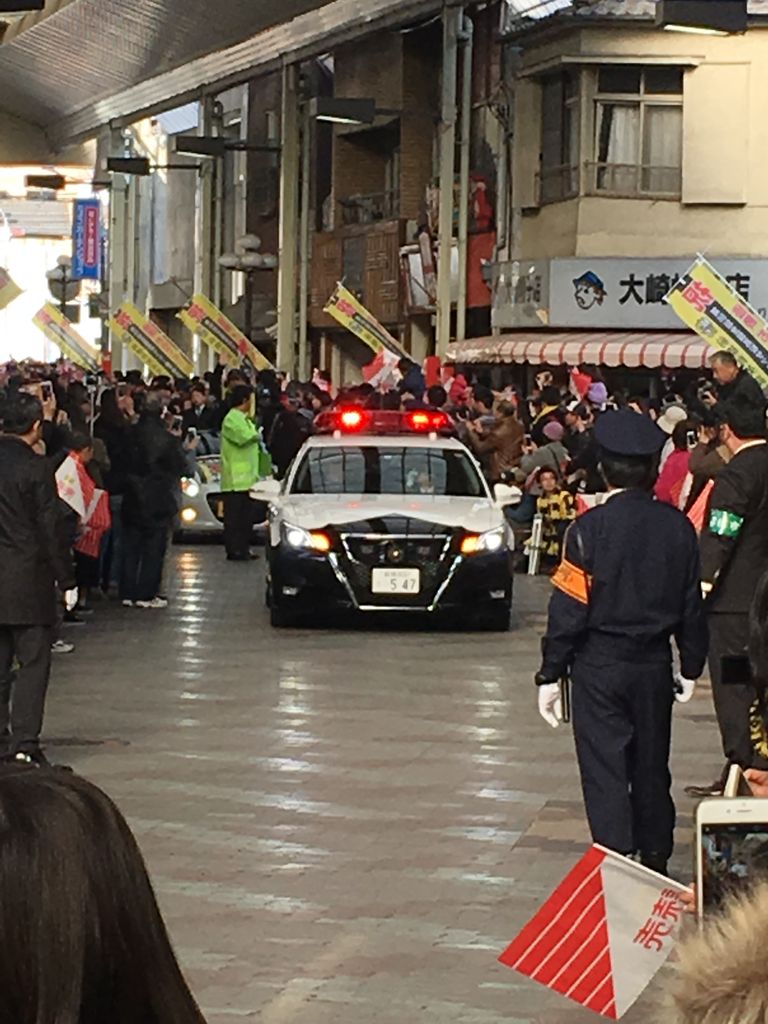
(655, 862)
(34, 759)
(713, 789)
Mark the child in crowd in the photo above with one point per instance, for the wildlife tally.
(558, 509)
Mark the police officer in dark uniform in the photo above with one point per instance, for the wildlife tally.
(628, 582)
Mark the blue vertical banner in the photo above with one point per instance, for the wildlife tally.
(86, 239)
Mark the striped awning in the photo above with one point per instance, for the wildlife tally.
(651, 349)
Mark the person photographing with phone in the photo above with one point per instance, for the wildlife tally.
(627, 584)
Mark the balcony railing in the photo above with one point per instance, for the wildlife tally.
(368, 209)
(634, 180)
(556, 183)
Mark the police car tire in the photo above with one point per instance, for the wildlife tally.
(280, 618)
(494, 619)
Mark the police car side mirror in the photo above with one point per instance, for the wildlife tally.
(504, 494)
(266, 490)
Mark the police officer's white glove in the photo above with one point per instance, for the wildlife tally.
(551, 704)
(683, 688)
(70, 599)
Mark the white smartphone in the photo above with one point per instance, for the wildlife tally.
(731, 849)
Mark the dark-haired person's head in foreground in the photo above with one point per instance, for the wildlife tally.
(740, 422)
(81, 936)
(22, 417)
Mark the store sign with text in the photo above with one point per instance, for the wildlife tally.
(628, 294)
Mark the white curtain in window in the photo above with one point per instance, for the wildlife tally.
(618, 147)
(662, 148)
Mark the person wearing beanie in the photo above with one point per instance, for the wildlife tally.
(597, 395)
(627, 584)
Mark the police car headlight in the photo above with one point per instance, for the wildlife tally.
(483, 543)
(298, 538)
(190, 487)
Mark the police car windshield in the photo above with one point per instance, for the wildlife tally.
(367, 469)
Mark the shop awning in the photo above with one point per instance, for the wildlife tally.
(651, 349)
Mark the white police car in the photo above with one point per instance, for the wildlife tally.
(387, 513)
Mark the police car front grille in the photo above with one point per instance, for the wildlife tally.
(428, 552)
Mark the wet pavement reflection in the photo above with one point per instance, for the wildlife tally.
(342, 825)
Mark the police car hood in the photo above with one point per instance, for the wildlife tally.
(314, 511)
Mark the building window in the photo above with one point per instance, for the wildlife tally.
(559, 175)
(638, 132)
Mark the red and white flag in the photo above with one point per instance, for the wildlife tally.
(382, 372)
(602, 935)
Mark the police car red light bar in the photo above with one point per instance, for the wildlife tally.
(424, 419)
(352, 419)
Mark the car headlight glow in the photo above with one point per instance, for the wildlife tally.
(190, 487)
(483, 543)
(188, 515)
(314, 540)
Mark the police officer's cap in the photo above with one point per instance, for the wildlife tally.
(625, 432)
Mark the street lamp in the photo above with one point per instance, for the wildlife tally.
(248, 260)
(702, 17)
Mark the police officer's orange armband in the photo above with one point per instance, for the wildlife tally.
(573, 580)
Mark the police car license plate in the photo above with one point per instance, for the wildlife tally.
(395, 581)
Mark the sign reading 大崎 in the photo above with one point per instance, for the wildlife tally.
(86, 240)
(626, 293)
(707, 303)
(217, 331)
(149, 343)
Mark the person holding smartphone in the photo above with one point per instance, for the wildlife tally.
(627, 584)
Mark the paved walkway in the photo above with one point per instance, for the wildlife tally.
(342, 826)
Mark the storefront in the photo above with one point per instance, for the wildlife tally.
(609, 312)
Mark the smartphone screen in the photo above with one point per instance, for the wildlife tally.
(692, 439)
(734, 857)
(46, 389)
(527, 439)
(176, 423)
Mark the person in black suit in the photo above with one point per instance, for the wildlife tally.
(734, 555)
(33, 561)
(204, 415)
(629, 582)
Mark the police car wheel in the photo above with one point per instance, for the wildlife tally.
(281, 618)
(493, 619)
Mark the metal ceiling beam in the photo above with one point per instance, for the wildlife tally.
(308, 35)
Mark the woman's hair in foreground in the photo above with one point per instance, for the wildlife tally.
(721, 975)
(81, 936)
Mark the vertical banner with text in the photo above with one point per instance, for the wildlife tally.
(60, 331)
(352, 314)
(219, 333)
(145, 339)
(86, 240)
(708, 304)
(9, 290)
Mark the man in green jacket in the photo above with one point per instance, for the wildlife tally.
(240, 465)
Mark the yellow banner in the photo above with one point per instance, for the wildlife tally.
(149, 343)
(710, 306)
(352, 314)
(9, 290)
(60, 331)
(219, 333)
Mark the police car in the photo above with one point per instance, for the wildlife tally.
(387, 512)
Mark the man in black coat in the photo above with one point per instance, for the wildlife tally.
(734, 555)
(32, 562)
(629, 582)
(733, 386)
(150, 505)
(204, 414)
